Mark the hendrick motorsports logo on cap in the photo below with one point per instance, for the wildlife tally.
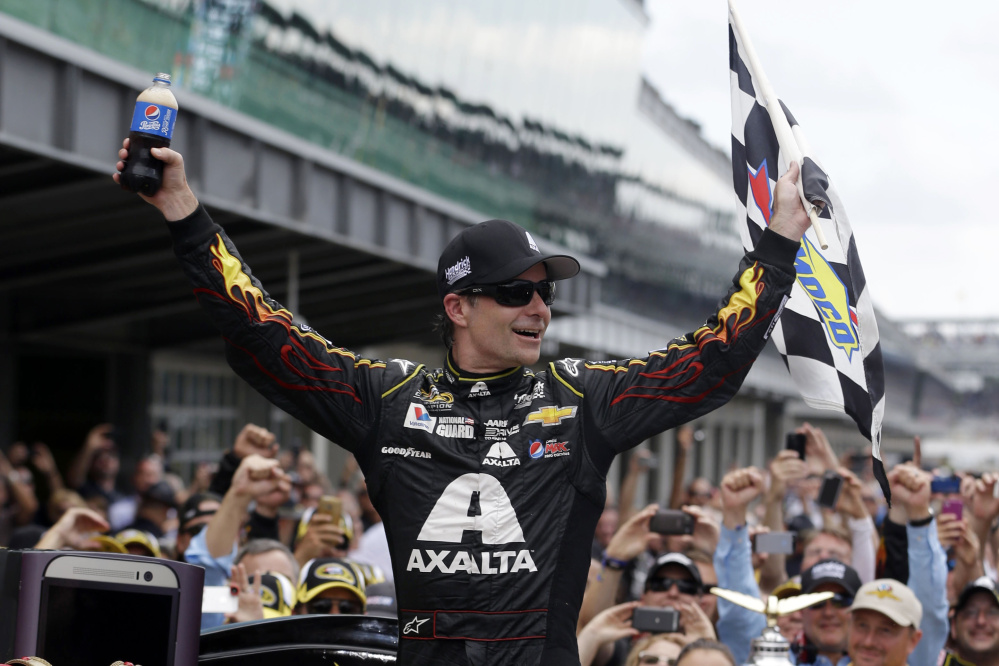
(829, 570)
(459, 270)
(530, 241)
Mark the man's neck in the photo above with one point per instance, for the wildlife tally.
(473, 364)
(834, 657)
(986, 658)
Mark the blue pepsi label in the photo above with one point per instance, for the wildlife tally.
(154, 119)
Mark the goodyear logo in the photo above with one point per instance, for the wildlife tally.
(550, 416)
(830, 297)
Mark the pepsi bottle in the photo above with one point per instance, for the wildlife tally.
(152, 127)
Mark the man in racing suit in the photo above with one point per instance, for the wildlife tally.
(489, 476)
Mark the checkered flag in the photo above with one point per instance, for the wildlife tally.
(827, 334)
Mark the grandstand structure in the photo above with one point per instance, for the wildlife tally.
(341, 145)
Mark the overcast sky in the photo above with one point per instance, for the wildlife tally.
(899, 102)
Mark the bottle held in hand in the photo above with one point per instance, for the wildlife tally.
(152, 127)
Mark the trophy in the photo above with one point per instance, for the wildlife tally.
(770, 648)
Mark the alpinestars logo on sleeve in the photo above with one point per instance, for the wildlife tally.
(413, 626)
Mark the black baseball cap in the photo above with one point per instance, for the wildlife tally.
(678, 559)
(493, 252)
(982, 584)
(192, 507)
(161, 492)
(831, 571)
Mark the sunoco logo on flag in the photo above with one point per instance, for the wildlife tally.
(827, 334)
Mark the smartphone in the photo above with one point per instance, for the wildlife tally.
(945, 484)
(774, 542)
(219, 599)
(794, 441)
(954, 506)
(832, 483)
(648, 463)
(671, 521)
(656, 620)
(330, 505)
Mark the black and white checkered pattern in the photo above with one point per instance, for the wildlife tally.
(847, 377)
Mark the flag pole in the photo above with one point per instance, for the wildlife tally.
(785, 137)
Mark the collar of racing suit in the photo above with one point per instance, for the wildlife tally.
(466, 384)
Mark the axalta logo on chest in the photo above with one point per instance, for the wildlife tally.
(464, 562)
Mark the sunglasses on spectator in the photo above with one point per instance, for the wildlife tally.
(838, 601)
(324, 606)
(972, 613)
(515, 293)
(662, 584)
(650, 659)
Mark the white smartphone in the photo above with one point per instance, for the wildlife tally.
(219, 599)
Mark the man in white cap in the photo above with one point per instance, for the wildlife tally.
(884, 624)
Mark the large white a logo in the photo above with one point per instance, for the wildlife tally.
(482, 496)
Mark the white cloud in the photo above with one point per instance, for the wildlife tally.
(897, 100)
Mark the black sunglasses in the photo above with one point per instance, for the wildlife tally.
(662, 584)
(515, 293)
(838, 601)
(324, 606)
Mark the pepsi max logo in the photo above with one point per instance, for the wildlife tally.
(537, 449)
(152, 112)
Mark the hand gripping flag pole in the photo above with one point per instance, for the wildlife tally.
(827, 334)
(785, 136)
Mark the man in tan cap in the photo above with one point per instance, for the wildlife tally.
(884, 624)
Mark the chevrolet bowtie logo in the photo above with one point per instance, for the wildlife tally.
(550, 415)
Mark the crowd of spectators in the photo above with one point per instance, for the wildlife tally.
(252, 520)
(911, 584)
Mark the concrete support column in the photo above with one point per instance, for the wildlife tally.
(8, 374)
(291, 299)
(666, 453)
(128, 400)
(759, 434)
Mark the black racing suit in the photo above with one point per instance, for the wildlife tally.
(490, 486)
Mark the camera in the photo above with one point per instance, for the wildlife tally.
(148, 576)
(671, 521)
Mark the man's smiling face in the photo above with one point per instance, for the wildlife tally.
(499, 336)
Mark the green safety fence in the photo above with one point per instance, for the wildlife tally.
(268, 87)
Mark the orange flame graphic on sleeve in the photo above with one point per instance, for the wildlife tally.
(740, 311)
(241, 290)
(312, 373)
